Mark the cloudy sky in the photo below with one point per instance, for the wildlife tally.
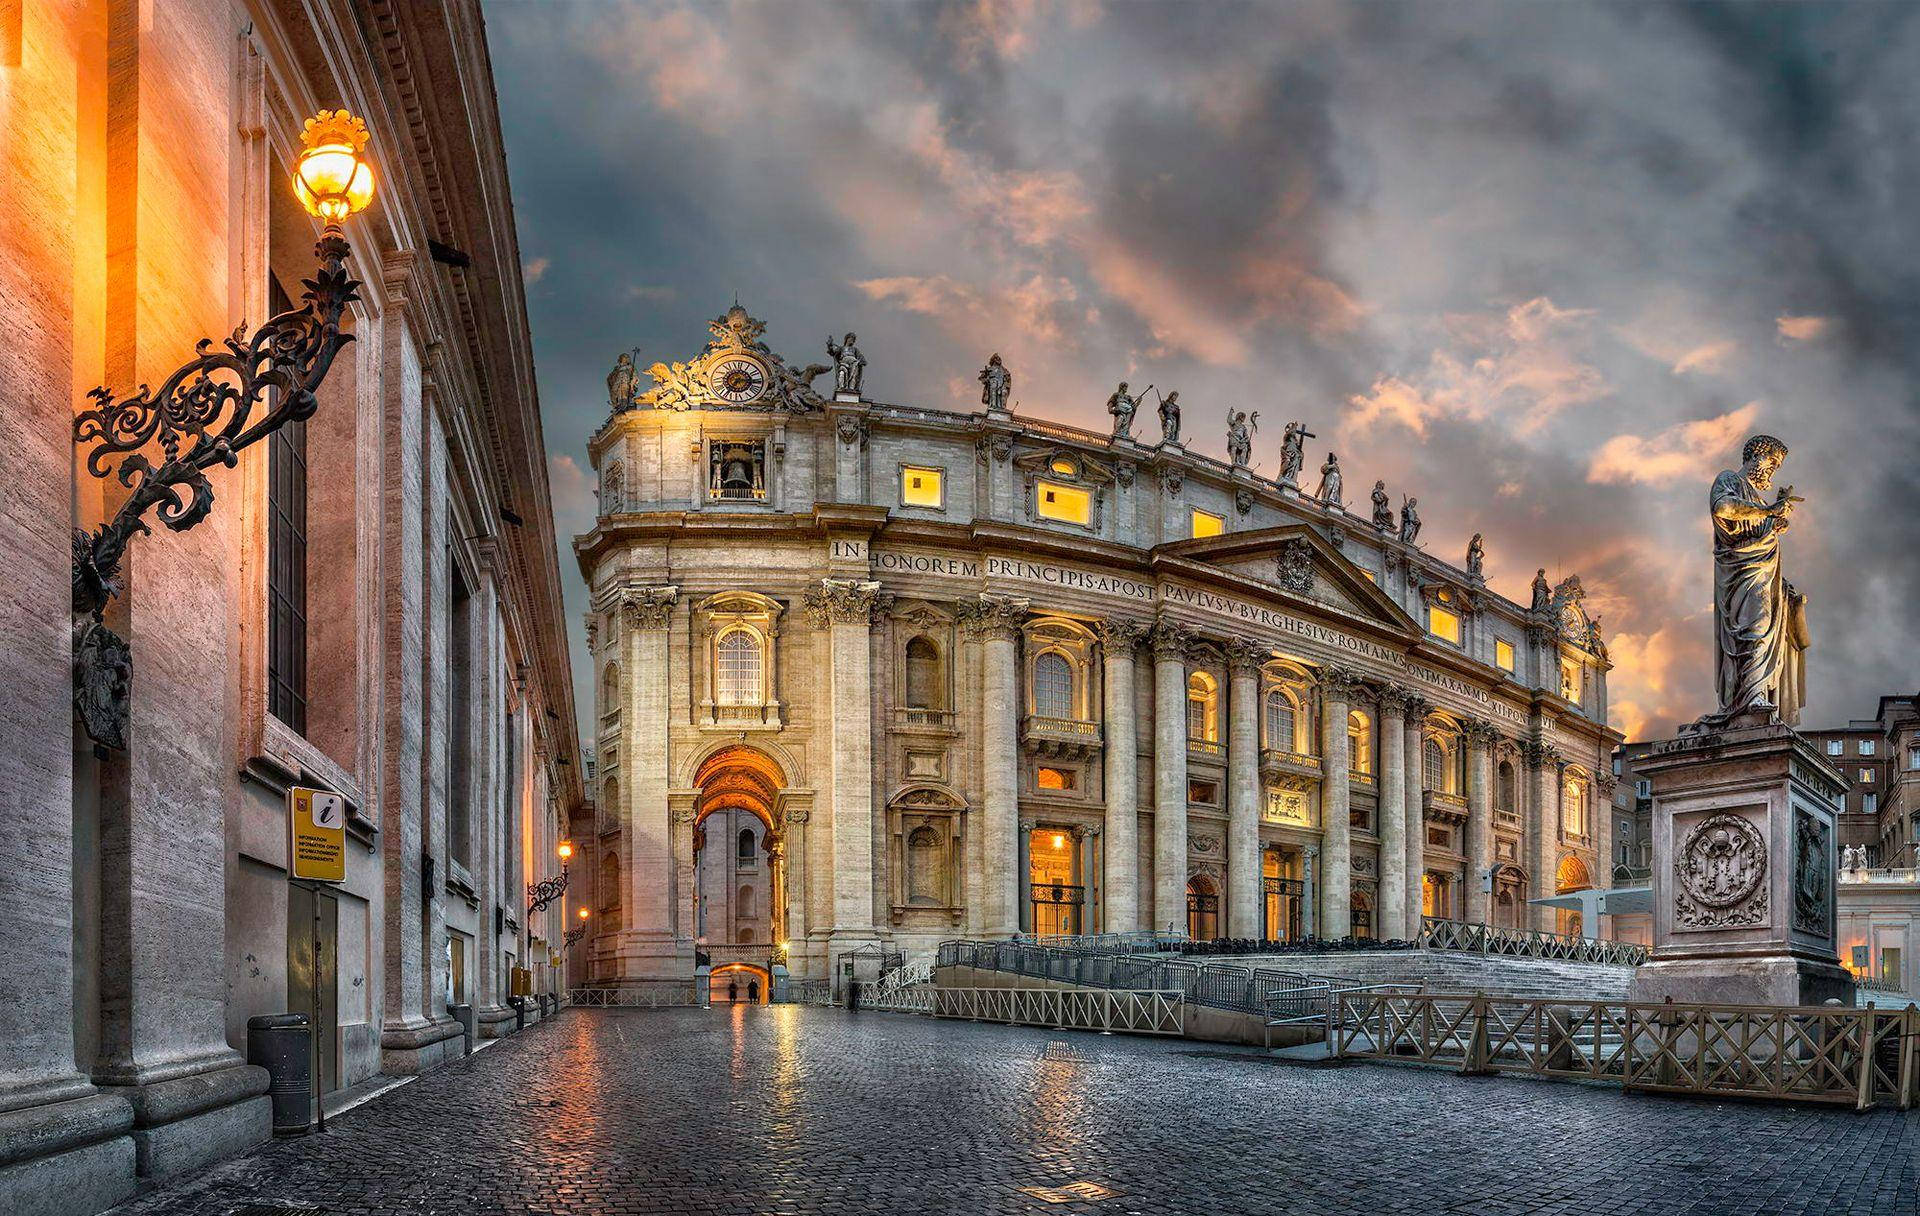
(1543, 265)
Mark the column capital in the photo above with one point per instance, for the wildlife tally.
(1540, 755)
(648, 607)
(1339, 683)
(1417, 707)
(995, 615)
(1121, 634)
(846, 601)
(1171, 639)
(1480, 735)
(1605, 784)
(1393, 700)
(1244, 657)
(1028, 826)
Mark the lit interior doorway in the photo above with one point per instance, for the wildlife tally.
(1571, 876)
(1053, 885)
(1285, 895)
(1203, 909)
(739, 864)
(740, 984)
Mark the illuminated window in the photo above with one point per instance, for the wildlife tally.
(1443, 623)
(737, 668)
(1866, 776)
(1206, 523)
(1359, 741)
(1064, 466)
(1203, 708)
(1370, 576)
(1503, 656)
(1573, 805)
(1065, 503)
(1056, 779)
(1203, 793)
(1433, 766)
(921, 487)
(1282, 722)
(1570, 680)
(1052, 686)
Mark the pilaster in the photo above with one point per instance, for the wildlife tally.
(846, 609)
(647, 945)
(1170, 641)
(1543, 829)
(1245, 896)
(1414, 734)
(997, 620)
(1337, 688)
(1393, 812)
(1120, 906)
(1481, 737)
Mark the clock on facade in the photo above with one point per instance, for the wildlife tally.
(737, 380)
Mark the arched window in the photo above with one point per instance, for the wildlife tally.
(1203, 708)
(745, 846)
(926, 884)
(925, 689)
(1359, 741)
(610, 688)
(1360, 911)
(1573, 804)
(609, 892)
(1052, 686)
(1508, 794)
(1282, 722)
(743, 904)
(1203, 909)
(737, 668)
(1433, 765)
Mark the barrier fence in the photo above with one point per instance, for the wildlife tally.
(1238, 987)
(1438, 934)
(629, 998)
(1131, 1012)
(1810, 1054)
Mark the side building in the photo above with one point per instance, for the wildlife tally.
(371, 607)
(978, 674)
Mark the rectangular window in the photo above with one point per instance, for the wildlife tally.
(286, 560)
(460, 695)
(1057, 779)
(1570, 680)
(1206, 523)
(1866, 747)
(1869, 804)
(1203, 793)
(922, 487)
(1866, 776)
(1503, 655)
(1834, 747)
(1643, 788)
(1443, 624)
(1066, 503)
(1913, 759)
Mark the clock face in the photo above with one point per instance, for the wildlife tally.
(737, 380)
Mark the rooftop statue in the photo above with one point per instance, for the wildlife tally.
(1477, 558)
(1240, 429)
(1759, 620)
(1170, 417)
(1542, 593)
(1329, 494)
(1410, 522)
(1293, 452)
(1382, 507)
(995, 383)
(623, 381)
(1121, 406)
(849, 365)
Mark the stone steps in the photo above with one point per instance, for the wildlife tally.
(1455, 971)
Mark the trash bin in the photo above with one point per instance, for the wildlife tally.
(282, 1044)
(519, 1004)
(463, 1014)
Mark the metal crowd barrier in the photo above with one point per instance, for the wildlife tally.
(1131, 1011)
(1438, 934)
(1820, 1053)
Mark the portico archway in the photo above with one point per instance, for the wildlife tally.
(740, 984)
(739, 866)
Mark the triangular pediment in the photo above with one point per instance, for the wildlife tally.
(1298, 563)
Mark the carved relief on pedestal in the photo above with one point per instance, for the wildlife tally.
(1812, 875)
(1720, 872)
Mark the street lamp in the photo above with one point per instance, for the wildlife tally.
(203, 415)
(565, 850)
(578, 931)
(544, 892)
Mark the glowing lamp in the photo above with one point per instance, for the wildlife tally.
(333, 177)
(584, 914)
(565, 850)
(1059, 842)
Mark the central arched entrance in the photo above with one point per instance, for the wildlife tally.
(739, 868)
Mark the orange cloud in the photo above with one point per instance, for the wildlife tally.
(1802, 329)
(1710, 358)
(1690, 449)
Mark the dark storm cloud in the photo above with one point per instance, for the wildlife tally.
(1542, 265)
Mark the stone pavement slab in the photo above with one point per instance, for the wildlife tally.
(806, 1110)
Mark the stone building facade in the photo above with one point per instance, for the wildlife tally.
(1880, 758)
(372, 606)
(979, 674)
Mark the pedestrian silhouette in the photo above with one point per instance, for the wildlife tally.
(753, 992)
(733, 992)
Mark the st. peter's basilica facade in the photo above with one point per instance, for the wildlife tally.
(975, 674)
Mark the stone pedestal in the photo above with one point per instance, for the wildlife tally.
(1743, 858)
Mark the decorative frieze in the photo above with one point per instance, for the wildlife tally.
(1812, 875)
(846, 601)
(648, 607)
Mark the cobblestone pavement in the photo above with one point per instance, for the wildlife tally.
(797, 1110)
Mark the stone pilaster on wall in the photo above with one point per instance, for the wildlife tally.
(1543, 829)
(1415, 734)
(997, 620)
(846, 609)
(1392, 916)
(647, 930)
(1336, 826)
(1246, 902)
(1170, 640)
(1480, 740)
(1120, 893)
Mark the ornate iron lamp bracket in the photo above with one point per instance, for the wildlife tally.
(203, 415)
(573, 935)
(544, 892)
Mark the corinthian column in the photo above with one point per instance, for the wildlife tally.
(997, 618)
(1169, 775)
(845, 608)
(1543, 829)
(1481, 737)
(1336, 818)
(647, 930)
(1414, 733)
(1393, 812)
(1120, 905)
(1245, 902)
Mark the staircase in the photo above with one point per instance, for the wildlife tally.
(1453, 971)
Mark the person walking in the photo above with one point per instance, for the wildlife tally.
(733, 991)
